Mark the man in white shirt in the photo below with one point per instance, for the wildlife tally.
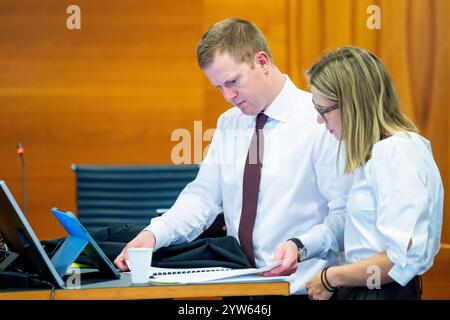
(301, 194)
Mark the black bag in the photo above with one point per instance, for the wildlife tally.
(210, 252)
(205, 252)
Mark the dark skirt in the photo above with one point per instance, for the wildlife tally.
(390, 291)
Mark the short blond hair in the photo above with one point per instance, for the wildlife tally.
(241, 39)
(361, 85)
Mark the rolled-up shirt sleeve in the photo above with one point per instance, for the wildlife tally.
(404, 210)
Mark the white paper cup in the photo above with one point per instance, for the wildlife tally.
(140, 261)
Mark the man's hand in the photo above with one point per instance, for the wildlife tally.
(287, 252)
(145, 239)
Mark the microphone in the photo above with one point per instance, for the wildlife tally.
(20, 151)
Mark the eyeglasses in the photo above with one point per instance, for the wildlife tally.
(322, 110)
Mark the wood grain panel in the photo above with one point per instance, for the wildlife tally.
(338, 18)
(307, 42)
(112, 92)
(436, 282)
(196, 291)
(437, 126)
(393, 49)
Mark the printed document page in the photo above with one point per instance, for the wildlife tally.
(199, 275)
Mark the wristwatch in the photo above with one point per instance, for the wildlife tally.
(302, 252)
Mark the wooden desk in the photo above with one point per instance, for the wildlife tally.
(196, 291)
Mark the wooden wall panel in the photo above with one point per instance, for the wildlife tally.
(437, 125)
(112, 92)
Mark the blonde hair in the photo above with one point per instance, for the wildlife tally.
(241, 39)
(370, 109)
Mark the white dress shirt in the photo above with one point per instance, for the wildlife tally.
(301, 194)
(396, 197)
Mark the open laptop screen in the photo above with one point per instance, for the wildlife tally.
(21, 239)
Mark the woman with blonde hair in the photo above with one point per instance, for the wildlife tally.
(394, 211)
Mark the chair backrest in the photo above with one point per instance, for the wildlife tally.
(114, 194)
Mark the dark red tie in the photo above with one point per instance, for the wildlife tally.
(252, 178)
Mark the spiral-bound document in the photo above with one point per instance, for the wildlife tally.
(157, 272)
(219, 274)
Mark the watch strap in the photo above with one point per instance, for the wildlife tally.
(297, 242)
(301, 249)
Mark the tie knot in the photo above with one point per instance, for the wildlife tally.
(260, 120)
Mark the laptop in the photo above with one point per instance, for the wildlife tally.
(21, 239)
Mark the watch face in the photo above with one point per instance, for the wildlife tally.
(302, 254)
(301, 249)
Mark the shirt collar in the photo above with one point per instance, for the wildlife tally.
(280, 107)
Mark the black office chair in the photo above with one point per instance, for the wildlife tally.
(115, 194)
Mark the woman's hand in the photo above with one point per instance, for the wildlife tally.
(316, 290)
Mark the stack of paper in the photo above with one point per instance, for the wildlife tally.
(201, 275)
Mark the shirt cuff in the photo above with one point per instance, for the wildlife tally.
(161, 232)
(313, 247)
(401, 275)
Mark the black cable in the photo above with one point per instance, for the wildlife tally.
(38, 283)
(52, 292)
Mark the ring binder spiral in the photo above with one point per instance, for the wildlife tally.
(167, 272)
(199, 275)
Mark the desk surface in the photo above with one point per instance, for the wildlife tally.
(194, 291)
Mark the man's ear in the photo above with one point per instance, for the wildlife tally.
(262, 60)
